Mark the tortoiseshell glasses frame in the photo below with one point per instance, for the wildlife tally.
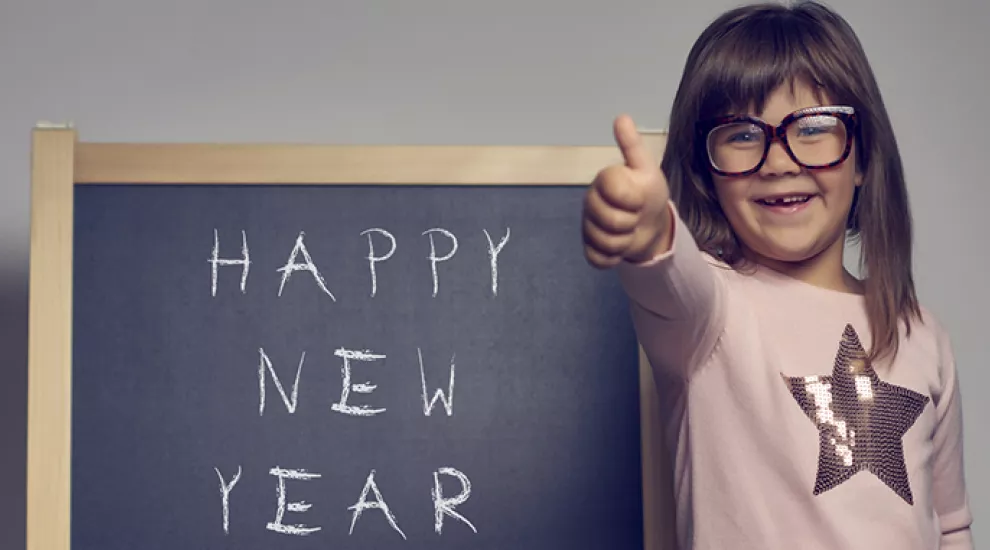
(847, 115)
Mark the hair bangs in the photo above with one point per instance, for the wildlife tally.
(758, 55)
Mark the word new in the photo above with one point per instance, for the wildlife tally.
(343, 406)
(442, 506)
(291, 265)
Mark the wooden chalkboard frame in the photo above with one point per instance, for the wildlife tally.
(59, 162)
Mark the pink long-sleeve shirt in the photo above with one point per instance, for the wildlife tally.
(779, 437)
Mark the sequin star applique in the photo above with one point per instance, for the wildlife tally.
(860, 419)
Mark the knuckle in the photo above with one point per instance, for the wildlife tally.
(625, 194)
(616, 220)
(593, 257)
(592, 235)
(613, 245)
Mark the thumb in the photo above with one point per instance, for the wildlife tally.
(631, 144)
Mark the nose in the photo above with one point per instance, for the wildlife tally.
(779, 162)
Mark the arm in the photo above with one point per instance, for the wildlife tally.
(948, 479)
(677, 303)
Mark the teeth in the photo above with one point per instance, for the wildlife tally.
(787, 200)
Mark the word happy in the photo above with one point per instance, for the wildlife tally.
(293, 264)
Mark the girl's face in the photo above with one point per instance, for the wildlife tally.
(806, 238)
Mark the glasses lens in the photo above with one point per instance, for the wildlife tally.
(736, 147)
(817, 140)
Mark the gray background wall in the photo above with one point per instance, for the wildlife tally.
(479, 72)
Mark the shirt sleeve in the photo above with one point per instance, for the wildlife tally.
(948, 482)
(676, 301)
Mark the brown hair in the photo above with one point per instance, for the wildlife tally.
(737, 63)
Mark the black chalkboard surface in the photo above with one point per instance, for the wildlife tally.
(397, 367)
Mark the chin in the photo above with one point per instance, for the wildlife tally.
(791, 257)
(792, 253)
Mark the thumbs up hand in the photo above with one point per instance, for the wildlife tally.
(625, 208)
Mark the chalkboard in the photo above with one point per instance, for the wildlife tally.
(332, 364)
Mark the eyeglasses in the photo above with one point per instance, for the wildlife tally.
(815, 138)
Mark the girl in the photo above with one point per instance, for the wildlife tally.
(804, 408)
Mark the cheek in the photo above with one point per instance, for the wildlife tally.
(842, 180)
(839, 184)
(732, 196)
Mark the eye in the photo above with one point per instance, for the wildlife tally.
(817, 125)
(810, 131)
(739, 134)
(744, 136)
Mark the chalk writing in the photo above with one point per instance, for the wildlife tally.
(382, 245)
(225, 489)
(448, 400)
(347, 387)
(434, 260)
(442, 506)
(266, 364)
(493, 252)
(445, 506)
(292, 265)
(277, 525)
(379, 503)
(372, 259)
(266, 371)
(215, 261)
